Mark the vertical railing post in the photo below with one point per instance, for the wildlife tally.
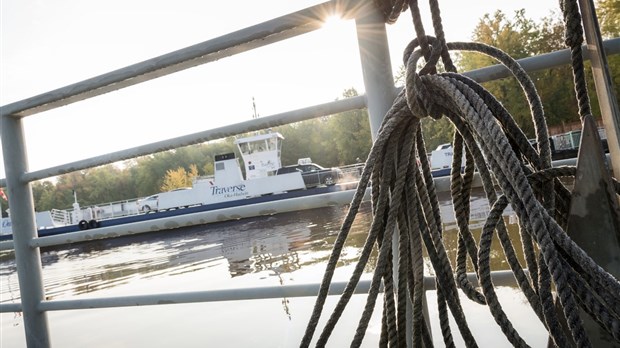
(380, 95)
(376, 65)
(28, 259)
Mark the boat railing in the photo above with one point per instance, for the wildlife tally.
(379, 95)
(101, 211)
(352, 172)
(116, 209)
(60, 217)
(203, 178)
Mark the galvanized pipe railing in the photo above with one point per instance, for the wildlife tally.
(265, 122)
(530, 64)
(378, 87)
(500, 278)
(272, 31)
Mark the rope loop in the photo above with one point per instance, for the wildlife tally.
(573, 35)
(418, 94)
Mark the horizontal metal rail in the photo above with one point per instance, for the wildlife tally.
(500, 278)
(243, 40)
(537, 63)
(203, 136)
(32, 292)
(530, 64)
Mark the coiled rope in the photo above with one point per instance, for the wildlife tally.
(404, 199)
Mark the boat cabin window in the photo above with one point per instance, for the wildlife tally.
(308, 168)
(219, 166)
(255, 146)
(243, 147)
(272, 144)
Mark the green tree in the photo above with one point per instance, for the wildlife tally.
(329, 141)
(179, 178)
(521, 37)
(515, 37)
(148, 172)
(608, 12)
(42, 191)
(351, 133)
(436, 132)
(106, 184)
(306, 139)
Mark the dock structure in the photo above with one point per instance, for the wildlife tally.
(378, 99)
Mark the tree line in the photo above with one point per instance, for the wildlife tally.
(344, 138)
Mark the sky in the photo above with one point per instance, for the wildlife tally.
(48, 44)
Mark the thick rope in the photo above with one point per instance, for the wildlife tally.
(512, 173)
(574, 39)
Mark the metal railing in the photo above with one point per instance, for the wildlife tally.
(380, 93)
(61, 217)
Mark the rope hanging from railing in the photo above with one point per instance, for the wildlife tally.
(404, 199)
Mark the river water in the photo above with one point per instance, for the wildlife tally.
(284, 249)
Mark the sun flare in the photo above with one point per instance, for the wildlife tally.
(333, 21)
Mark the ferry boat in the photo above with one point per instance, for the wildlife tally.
(226, 195)
(441, 160)
(268, 188)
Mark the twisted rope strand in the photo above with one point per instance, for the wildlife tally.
(488, 186)
(574, 39)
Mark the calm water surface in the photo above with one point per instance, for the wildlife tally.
(285, 249)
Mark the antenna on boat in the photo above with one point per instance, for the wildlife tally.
(255, 115)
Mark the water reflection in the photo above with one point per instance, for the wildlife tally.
(267, 251)
(280, 244)
(249, 246)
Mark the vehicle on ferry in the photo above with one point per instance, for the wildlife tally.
(148, 204)
(312, 173)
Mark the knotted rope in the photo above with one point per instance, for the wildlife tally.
(404, 200)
